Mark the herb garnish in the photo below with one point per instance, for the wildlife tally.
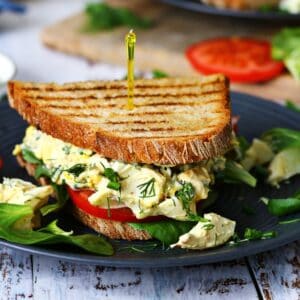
(76, 169)
(289, 221)
(67, 149)
(208, 226)
(140, 248)
(251, 234)
(101, 16)
(114, 178)
(186, 195)
(147, 189)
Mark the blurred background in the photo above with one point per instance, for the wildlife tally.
(255, 43)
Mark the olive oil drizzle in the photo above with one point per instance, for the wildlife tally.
(130, 41)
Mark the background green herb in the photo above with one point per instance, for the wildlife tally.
(51, 234)
(254, 234)
(159, 74)
(292, 106)
(291, 221)
(283, 207)
(101, 16)
(235, 173)
(286, 47)
(281, 138)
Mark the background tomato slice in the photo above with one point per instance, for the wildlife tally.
(124, 214)
(240, 59)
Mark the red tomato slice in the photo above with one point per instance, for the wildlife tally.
(124, 214)
(240, 59)
(1, 163)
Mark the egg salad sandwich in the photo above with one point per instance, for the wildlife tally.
(125, 169)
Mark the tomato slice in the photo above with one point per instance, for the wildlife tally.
(240, 59)
(1, 163)
(124, 214)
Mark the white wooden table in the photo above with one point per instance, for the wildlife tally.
(272, 275)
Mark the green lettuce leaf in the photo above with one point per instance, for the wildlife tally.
(10, 214)
(62, 198)
(168, 232)
(285, 46)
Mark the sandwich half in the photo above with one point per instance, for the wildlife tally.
(123, 167)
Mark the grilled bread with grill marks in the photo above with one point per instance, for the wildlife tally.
(112, 229)
(175, 121)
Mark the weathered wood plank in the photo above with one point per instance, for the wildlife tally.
(277, 272)
(16, 275)
(55, 279)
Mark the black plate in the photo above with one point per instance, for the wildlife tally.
(197, 6)
(257, 115)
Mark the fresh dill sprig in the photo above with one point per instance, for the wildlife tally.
(147, 189)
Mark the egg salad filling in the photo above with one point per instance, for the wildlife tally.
(17, 191)
(148, 190)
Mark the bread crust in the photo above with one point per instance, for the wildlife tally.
(112, 229)
(168, 150)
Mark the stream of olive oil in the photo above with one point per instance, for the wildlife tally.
(130, 41)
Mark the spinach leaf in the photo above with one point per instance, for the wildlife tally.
(235, 173)
(101, 16)
(41, 171)
(62, 197)
(30, 157)
(168, 232)
(281, 138)
(51, 234)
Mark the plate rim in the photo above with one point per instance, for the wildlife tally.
(235, 252)
(248, 14)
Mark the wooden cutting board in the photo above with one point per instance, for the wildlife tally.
(163, 46)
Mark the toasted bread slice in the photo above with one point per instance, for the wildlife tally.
(175, 121)
(112, 229)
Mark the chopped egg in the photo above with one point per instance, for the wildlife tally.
(215, 232)
(146, 189)
(17, 191)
